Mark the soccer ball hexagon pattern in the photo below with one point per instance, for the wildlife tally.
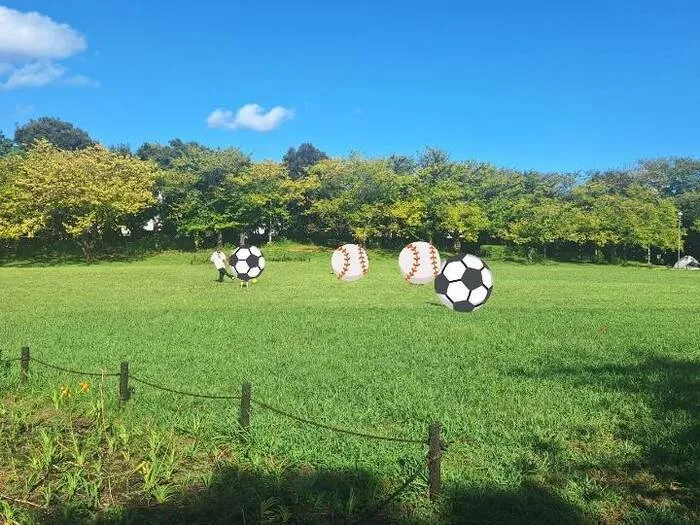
(464, 283)
(248, 262)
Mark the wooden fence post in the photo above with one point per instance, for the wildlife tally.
(434, 458)
(124, 393)
(244, 418)
(24, 365)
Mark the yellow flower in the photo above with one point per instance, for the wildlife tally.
(65, 391)
(85, 386)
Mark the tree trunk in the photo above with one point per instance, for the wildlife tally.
(219, 238)
(86, 245)
(648, 255)
(457, 243)
(241, 239)
(544, 252)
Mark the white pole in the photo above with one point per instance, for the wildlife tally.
(680, 216)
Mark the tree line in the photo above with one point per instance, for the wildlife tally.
(59, 187)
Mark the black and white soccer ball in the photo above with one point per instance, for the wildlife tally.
(464, 283)
(248, 262)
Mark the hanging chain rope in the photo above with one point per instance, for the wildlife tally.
(181, 392)
(70, 371)
(335, 429)
(253, 401)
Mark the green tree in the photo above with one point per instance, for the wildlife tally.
(434, 165)
(298, 160)
(543, 222)
(60, 133)
(636, 216)
(402, 164)
(78, 194)
(356, 198)
(166, 155)
(259, 197)
(6, 145)
(193, 201)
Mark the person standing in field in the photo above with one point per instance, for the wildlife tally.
(219, 260)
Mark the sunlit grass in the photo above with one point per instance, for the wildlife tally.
(577, 378)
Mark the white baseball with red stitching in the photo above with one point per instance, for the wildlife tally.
(350, 262)
(419, 262)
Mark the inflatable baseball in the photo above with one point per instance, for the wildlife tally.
(350, 262)
(419, 262)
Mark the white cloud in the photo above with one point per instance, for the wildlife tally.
(33, 35)
(30, 44)
(250, 116)
(81, 80)
(34, 74)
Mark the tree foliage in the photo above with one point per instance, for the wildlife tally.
(76, 194)
(196, 194)
(298, 160)
(60, 133)
(6, 145)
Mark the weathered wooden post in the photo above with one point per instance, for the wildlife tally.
(24, 365)
(434, 458)
(124, 393)
(244, 418)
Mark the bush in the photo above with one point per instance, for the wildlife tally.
(493, 252)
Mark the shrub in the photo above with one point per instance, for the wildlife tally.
(494, 252)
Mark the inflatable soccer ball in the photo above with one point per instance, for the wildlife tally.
(350, 262)
(248, 262)
(464, 283)
(419, 262)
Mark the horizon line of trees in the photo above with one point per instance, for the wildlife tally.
(58, 186)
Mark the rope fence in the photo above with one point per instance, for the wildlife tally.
(181, 392)
(335, 429)
(436, 444)
(71, 371)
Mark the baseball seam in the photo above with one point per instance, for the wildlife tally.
(416, 261)
(434, 261)
(363, 260)
(346, 262)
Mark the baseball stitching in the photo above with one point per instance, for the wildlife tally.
(346, 262)
(416, 261)
(434, 260)
(363, 261)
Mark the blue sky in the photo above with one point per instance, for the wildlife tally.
(531, 85)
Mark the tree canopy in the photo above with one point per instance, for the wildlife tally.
(297, 160)
(196, 194)
(61, 134)
(75, 194)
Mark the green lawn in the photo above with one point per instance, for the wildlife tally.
(573, 396)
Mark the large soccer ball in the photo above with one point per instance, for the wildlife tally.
(248, 262)
(464, 283)
(350, 262)
(419, 262)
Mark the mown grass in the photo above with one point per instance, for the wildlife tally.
(574, 396)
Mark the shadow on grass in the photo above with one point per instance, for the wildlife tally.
(329, 497)
(668, 473)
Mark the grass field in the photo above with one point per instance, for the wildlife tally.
(573, 396)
